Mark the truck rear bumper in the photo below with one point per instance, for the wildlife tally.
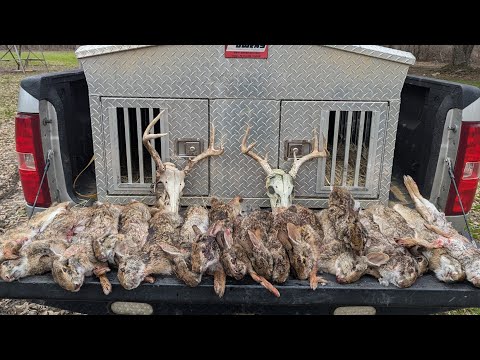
(245, 296)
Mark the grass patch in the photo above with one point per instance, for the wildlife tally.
(10, 78)
(468, 82)
(469, 311)
(61, 58)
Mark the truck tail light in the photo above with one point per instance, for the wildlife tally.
(467, 169)
(31, 162)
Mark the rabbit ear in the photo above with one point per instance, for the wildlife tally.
(256, 242)
(215, 228)
(294, 234)
(236, 199)
(282, 236)
(197, 231)
(171, 250)
(227, 235)
(377, 258)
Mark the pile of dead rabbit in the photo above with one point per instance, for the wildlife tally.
(396, 245)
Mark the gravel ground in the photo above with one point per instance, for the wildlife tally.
(12, 203)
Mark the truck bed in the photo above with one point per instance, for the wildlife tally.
(167, 295)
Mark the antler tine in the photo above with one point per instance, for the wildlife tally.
(316, 153)
(247, 150)
(211, 151)
(146, 142)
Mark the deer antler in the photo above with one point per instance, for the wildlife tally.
(314, 154)
(211, 151)
(146, 142)
(247, 150)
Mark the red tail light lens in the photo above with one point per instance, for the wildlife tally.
(30, 158)
(467, 169)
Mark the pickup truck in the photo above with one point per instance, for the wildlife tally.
(360, 98)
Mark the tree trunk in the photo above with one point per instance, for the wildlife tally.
(461, 55)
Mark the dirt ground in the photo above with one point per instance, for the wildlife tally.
(12, 203)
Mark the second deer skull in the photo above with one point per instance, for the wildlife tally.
(279, 183)
(172, 178)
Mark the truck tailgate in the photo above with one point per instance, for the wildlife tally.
(426, 295)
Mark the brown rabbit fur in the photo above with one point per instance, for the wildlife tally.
(133, 229)
(232, 257)
(392, 225)
(297, 229)
(36, 256)
(180, 252)
(335, 256)
(13, 239)
(78, 260)
(396, 266)
(252, 233)
(456, 245)
(104, 243)
(445, 267)
(343, 214)
(152, 259)
(195, 215)
(206, 260)
(135, 266)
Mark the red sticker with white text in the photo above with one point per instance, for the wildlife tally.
(246, 51)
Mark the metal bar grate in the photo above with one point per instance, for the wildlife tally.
(347, 149)
(134, 164)
(335, 145)
(126, 121)
(154, 169)
(350, 135)
(140, 146)
(359, 148)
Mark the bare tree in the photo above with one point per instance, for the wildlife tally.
(461, 55)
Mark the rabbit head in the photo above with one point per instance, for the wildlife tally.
(232, 265)
(104, 248)
(131, 271)
(261, 258)
(398, 270)
(11, 270)
(299, 251)
(68, 273)
(349, 268)
(205, 251)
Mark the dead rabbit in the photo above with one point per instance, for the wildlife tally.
(72, 265)
(36, 256)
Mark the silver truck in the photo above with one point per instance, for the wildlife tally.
(377, 123)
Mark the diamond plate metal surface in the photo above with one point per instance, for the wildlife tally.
(299, 118)
(369, 50)
(240, 91)
(187, 118)
(98, 146)
(379, 51)
(93, 50)
(387, 163)
(308, 72)
(234, 173)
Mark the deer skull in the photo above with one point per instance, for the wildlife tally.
(173, 181)
(279, 186)
(168, 174)
(279, 183)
